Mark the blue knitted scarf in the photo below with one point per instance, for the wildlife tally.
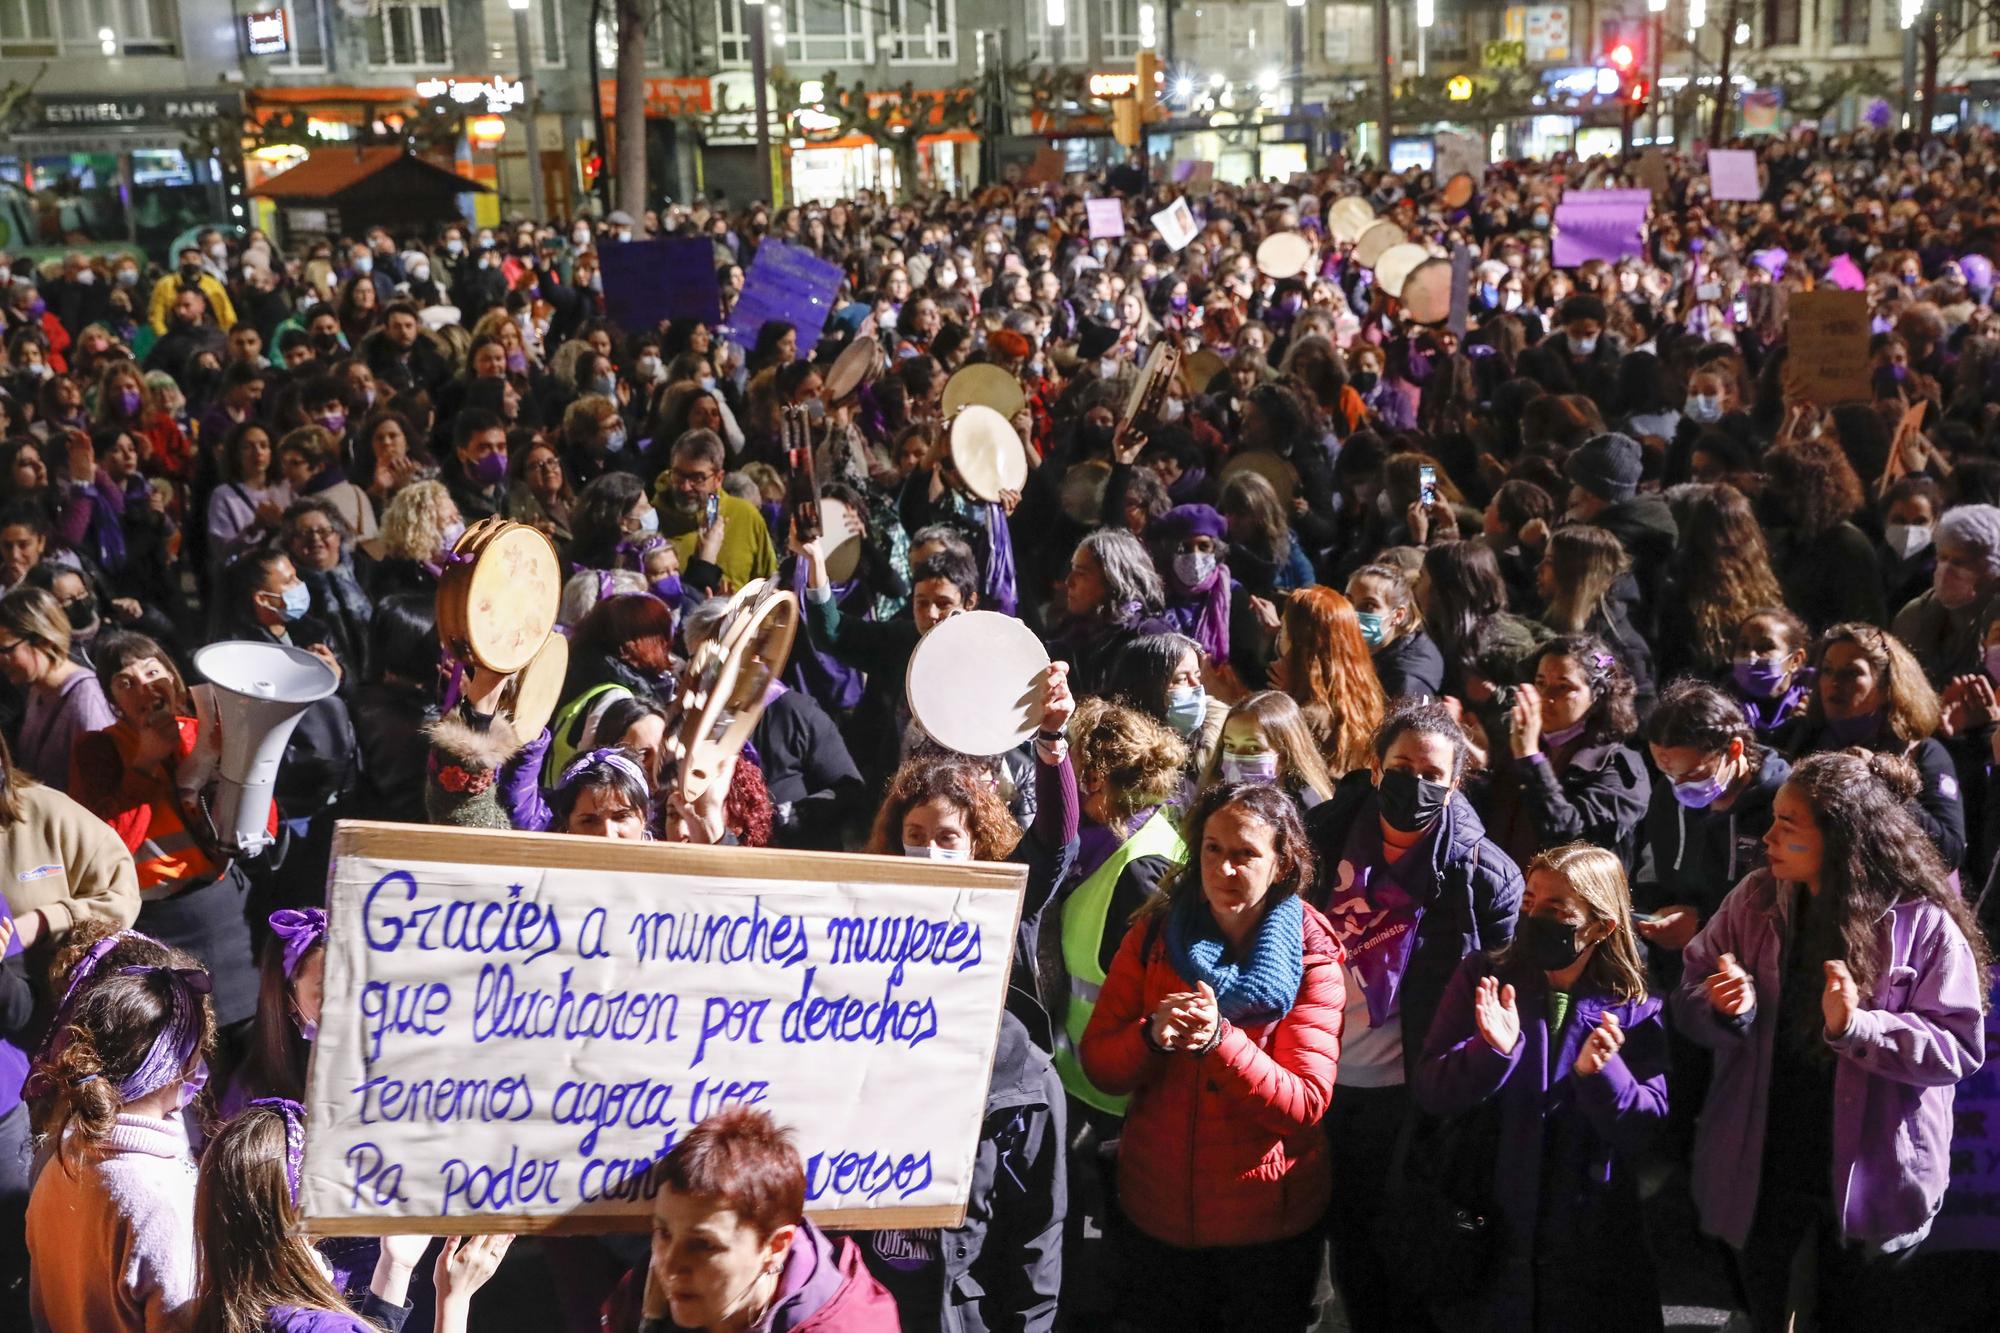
(1258, 989)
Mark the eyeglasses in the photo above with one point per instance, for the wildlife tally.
(701, 478)
(9, 649)
(319, 534)
(546, 465)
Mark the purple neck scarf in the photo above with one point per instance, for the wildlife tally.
(1202, 613)
(1187, 486)
(300, 932)
(998, 594)
(1374, 917)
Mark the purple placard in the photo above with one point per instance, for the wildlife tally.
(1639, 198)
(784, 282)
(669, 278)
(1970, 1217)
(1107, 218)
(1607, 231)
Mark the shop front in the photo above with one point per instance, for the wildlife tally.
(125, 169)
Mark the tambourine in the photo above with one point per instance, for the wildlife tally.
(985, 384)
(850, 368)
(532, 696)
(1284, 255)
(1377, 241)
(987, 452)
(1277, 470)
(1349, 217)
(1396, 264)
(1458, 191)
(496, 602)
(1199, 369)
(724, 687)
(1426, 294)
(1142, 408)
(977, 683)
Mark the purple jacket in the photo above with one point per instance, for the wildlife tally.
(1913, 1040)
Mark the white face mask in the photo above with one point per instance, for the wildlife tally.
(937, 853)
(1906, 539)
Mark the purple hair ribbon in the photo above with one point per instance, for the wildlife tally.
(301, 931)
(295, 1139)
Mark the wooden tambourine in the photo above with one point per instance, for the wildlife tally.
(1426, 294)
(987, 453)
(1458, 191)
(851, 368)
(1284, 477)
(725, 684)
(984, 384)
(1199, 369)
(1350, 217)
(532, 696)
(1377, 241)
(1396, 264)
(977, 683)
(841, 543)
(496, 602)
(1142, 408)
(1284, 255)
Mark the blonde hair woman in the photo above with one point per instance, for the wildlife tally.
(420, 526)
(1552, 1047)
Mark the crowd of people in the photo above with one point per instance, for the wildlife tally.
(1494, 776)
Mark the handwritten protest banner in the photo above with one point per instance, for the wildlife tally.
(1827, 333)
(515, 1027)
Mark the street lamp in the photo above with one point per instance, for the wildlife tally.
(1426, 16)
(537, 204)
(1058, 13)
(1295, 48)
(1658, 9)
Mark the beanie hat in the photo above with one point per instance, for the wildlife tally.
(1607, 466)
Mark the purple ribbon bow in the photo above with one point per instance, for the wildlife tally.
(301, 933)
(295, 1139)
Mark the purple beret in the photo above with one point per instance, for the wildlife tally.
(1978, 270)
(1184, 521)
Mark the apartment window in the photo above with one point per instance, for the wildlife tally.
(408, 33)
(1850, 22)
(140, 27)
(305, 24)
(27, 28)
(1119, 22)
(548, 32)
(1443, 40)
(1046, 45)
(827, 30)
(732, 33)
(925, 31)
(607, 37)
(1781, 22)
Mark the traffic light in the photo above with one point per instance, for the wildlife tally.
(1621, 57)
(1149, 86)
(1636, 91)
(1623, 45)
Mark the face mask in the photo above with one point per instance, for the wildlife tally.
(1552, 740)
(87, 276)
(218, 252)
(1700, 795)
(1364, 381)
(308, 1027)
(1510, 299)
(298, 600)
(191, 1087)
(1374, 628)
(1409, 804)
(1906, 539)
(364, 265)
(190, 272)
(1548, 944)
(454, 246)
(491, 469)
(1760, 677)
(517, 362)
(607, 385)
(129, 400)
(1261, 767)
(128, 277)
(579, 238)
(1193, 568)
(1171, 409)
(936, 853)
(336, 422)
(1704, 409)
(947, 278)
(449, 537)
(420, 273)
(815, 410)
(649, 367)
(614, 442)
(1186, 706)
(82, 617)
(1582, 346)
(41, 370)
(649, 521)
(1107, 368)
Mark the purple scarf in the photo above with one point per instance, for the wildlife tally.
(1186, 487)
(998, 592)
(1202, 613)
(1374, 917)
(1765, 715)
(812, 671)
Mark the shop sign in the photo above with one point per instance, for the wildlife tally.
(1106, 85)
(77, 110)
(267, 32)
(495, 96)
(665, 97)
(1544, 31)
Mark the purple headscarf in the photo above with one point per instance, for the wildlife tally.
(295, 1139)
(167, 1060)
(301, 933)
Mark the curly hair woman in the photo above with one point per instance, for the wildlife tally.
(1323, 663)
(1842, 989)
(1824, 563)
(1721, 574)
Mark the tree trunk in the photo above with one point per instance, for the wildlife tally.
(630, 108)
(1930, 45)
(1724, 90)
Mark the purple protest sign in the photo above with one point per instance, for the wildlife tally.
(788, 283)
(1107, 218)
(1970, 1216)
(670, 278)
(1600, 224)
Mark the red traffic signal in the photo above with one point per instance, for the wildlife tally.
(1637, 91)
(1622, 56)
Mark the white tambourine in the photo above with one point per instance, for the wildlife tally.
(977, 683)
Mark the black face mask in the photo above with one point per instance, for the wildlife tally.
(1363, 380)
(1549, 944)
(191, 272)
(1410, 804)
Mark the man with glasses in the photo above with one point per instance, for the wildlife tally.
(682, 494)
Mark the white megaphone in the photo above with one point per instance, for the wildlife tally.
(260, 690)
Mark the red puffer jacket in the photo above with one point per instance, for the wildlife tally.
(1223, 1148)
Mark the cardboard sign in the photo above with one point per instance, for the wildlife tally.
(1176, 225)
(1970, 1216)
(1827, 334)
(517, 1027)
(1651, 172)
(1189, 172)
(1046, 169)
(1457, 153)
(673, 277)
(1732, 174)
(785, 282)
(1107, 218)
